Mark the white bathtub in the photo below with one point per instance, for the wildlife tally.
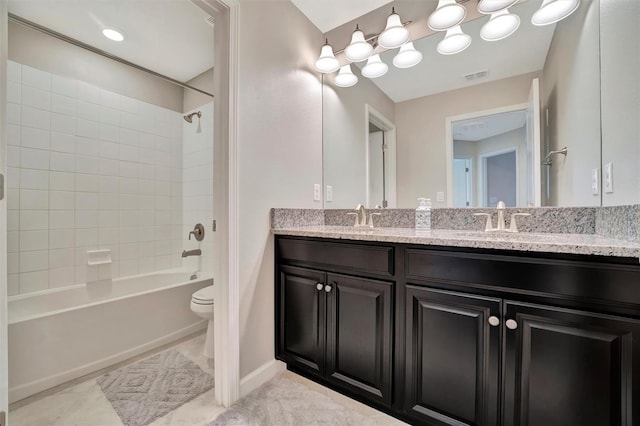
(62, 334)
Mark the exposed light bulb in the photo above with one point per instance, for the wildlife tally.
(407, 57)
(345, 77)
(113, 34)
(394, 34)
(327, 62)
(455, 41)
(375, 67)
(553, 11)
(448, 14)
(501, 25)
(358, 50)
(488, 7)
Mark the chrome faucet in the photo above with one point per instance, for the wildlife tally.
(195, 252)
(500, 225)
(360, 215)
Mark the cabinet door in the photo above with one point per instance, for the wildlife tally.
(453, 357)
(565, 367)
(300, 307)
(359, 336)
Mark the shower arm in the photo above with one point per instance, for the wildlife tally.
(547, 159)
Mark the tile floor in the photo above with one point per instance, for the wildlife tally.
(82, 403)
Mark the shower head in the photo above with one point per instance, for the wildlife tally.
(189, 118)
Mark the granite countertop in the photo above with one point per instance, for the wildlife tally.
(587, 244)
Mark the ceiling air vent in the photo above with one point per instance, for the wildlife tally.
(209, 20)
(476, 75)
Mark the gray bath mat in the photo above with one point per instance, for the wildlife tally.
(282, 402)
(152, 387)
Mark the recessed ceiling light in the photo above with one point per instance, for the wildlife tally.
(113, 34)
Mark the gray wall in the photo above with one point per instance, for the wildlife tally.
(620, 79)
(421, 132)
(571, 82)
(46, 53)
(279, 152)
(193, 99)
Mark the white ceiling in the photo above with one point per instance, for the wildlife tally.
(329, 14)
(479, 128)
(170, 37)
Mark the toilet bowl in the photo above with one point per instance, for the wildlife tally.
(202, 305)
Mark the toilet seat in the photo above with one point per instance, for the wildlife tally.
(204, 296)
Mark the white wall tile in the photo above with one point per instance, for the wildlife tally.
(34, 260)
(61, 277)
(13, 135)
(128, 202)
(87, 165)
(36, 98)
(36, 78)
(62, 200)
(61, 219)
(34, 240)
(110, 116)
(108, 167)
(34, 220)
(13, 114)
(109, 150)
(13, 156)
(86, 183)
(14, 72)
(62, 181)
(63, 105)
(13, 262)
(13, 220)
(110, 99)
(88, 129)
(128, 153)
(88, 92)
(62, 142)
(128, 186)
(34, 159)
(87, 237)
(128, 267)
(61, 238)
(62, 162)
(108, 218)
(34, 281)
(64, 86)
(109, 132)
(86, 219)
(128, 235)
(34, 117)
(128, 169)
(128, 218)
(128, 251)
(13, 199)
(63, 123)
(14, 92)
(86, 201)
(88, 111)
(109, 184)
(13, 285)
(13, 177)
(34, 138)
(108, 237)
(87, 146)
(31, 199)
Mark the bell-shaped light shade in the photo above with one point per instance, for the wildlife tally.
(553, 11)
(327, 61)
(488, 7)
(394, 34)
(358, 50)
(407, 57)
(375, 67)
(501, 25)
(447, 15)
(455, 41)
(345, 77)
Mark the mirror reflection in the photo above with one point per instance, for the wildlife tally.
(551, 74)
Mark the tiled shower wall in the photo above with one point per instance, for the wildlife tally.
(88, 169)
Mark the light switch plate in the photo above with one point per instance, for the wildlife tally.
(329, 193)
(595, 181)
(440, 197)
(317, 192)
(607, 178)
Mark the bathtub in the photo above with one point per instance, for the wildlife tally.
(61, 334)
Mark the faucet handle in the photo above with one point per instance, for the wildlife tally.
(356, 216)
(513, 226)
(488, 227)
(371, 215)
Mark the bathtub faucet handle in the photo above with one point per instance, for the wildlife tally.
(198, 232)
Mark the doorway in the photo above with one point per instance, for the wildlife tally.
(381, 160)
(499, 171)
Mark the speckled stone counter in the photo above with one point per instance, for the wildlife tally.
(585, 244)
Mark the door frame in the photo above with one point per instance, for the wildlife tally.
(389, 129)
(449, 120)
(471, 178)
(482, 172)
(4, 368)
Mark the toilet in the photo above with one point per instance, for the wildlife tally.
(202, 305)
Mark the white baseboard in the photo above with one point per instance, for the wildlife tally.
(260, 376)
(27, 389)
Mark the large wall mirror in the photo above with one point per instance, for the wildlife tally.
(545, 117)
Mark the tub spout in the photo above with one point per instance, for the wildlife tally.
(196, 252)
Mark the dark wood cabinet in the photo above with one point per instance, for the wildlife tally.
(443, 336)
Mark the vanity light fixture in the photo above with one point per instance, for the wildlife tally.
(375, 67)
(327, 62)
(113, 34)
(501, 25)
(553, 11)
(455, 41)
(407, 57)
(358, 50)
(447, 15)
(394, 34)
(345, 77)
(487, 7)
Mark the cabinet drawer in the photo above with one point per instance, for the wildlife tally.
(366, 259)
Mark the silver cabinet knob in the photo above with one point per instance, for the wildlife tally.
(494, 321)
(319, 286)
(327, 288)
(511, 324)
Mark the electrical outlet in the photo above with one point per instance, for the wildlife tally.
(607, 179)
(440, 197)
(329, 193)
(595, 181)
(317, 192)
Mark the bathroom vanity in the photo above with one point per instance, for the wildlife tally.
(448, 328)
